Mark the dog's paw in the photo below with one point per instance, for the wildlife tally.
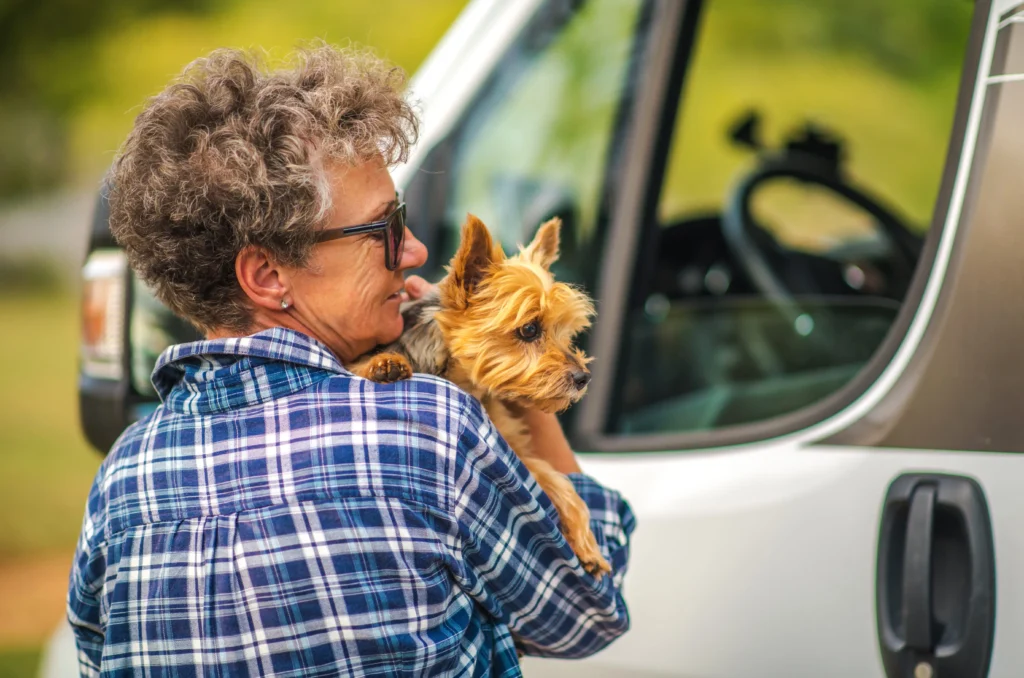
(573, 514)
(598, 568)
(590, 556)
(387, 368)
(576, 528)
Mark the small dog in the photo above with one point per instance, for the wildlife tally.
(502, 330)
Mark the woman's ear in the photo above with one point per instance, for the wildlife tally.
(262, 281)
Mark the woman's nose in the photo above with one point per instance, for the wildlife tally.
(414, 253)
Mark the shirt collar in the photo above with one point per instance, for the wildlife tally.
(222, 374)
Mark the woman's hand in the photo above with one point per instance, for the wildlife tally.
(549, 441)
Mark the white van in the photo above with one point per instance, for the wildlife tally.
(800, 219)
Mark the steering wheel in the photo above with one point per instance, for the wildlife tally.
(812, 159)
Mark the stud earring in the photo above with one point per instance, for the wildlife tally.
(284, 304)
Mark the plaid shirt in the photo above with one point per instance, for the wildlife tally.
(277, 515)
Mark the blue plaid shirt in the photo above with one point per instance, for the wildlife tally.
(277, 515)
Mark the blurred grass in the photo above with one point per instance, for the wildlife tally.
(29, 274)
(19, 662)
(47, 464)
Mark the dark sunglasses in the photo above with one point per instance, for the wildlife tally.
(393, 226)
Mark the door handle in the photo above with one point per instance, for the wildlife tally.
(916, 608)
(935, 587)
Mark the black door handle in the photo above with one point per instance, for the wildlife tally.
(936, 578)
(916, 608)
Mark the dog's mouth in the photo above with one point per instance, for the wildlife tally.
(552, 393)
(575, 396)
(549, 405)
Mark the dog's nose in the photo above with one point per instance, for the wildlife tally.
(580, 378)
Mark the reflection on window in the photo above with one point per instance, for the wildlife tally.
(794, 213)
(536, 145)
(804, 168)
(881, 74)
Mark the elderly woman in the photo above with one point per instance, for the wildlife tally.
(277, 515)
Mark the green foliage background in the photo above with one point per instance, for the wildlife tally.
(76, 73)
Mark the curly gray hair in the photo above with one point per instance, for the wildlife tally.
(232, 154)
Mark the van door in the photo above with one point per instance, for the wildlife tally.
(806, 365)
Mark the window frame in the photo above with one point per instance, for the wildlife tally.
(670, 61)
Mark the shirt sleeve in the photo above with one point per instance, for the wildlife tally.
(517, 564)
(83, 601)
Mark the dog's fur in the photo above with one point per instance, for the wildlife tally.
(471, 332)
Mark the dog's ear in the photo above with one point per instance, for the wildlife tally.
(476, 254)
(544, 248)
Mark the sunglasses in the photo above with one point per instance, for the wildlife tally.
(392, 226)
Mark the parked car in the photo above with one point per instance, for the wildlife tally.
(800, 220)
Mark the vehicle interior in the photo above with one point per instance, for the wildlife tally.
(771, 326)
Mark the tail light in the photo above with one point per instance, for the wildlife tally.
(103, 299)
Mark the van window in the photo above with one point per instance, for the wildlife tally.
(536, 144)
(803, 170)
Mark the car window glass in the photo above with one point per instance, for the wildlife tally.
(803, 171)
(536, 144)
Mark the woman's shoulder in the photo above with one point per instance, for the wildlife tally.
(409, 425)
(422, 397)
(425, 384)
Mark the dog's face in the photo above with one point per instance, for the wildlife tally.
(509, 325)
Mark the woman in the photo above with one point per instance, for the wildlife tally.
(277, 515)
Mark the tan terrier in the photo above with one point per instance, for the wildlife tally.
(502, 330)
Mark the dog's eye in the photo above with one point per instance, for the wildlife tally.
(529, 331)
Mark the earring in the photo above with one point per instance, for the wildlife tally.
(284, 304)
